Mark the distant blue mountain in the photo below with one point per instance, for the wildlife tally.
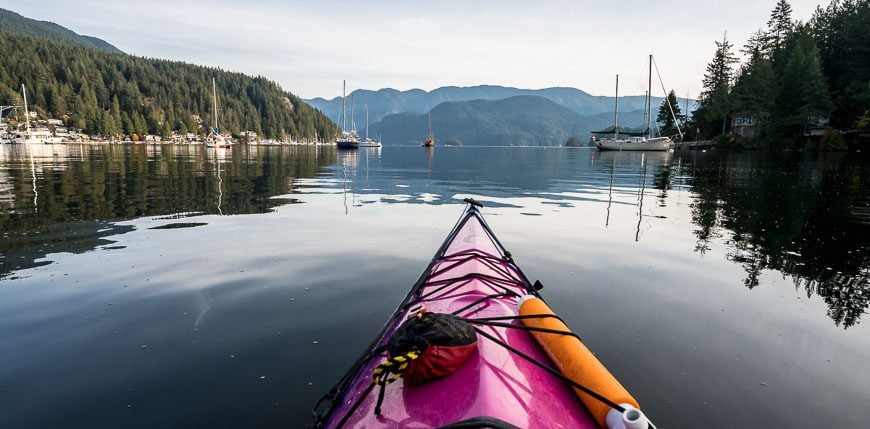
(390, 101)
(522, 120)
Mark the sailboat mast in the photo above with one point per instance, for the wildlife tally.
(649, 100)
(343, 106)
(26, 111)
(616, 109)
(686, 112)
(214, 93)
(352, 108)
(429, 128)
(367, 124)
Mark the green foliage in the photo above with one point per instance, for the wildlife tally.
(109, 94)
(714, 102)
(779, 26)
(574, 142)
(842, 33)
(832, 140)
(665, 118)
(15, 23)
(797, 73)
(803, 91)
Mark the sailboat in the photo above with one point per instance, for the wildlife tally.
(634, 141)
(369, 142)
(430, 139)
(347, 139)
(216, 139)
(35, 135)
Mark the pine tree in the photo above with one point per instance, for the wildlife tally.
(779, 26)
(803, 90)
(713, 103)
(83, 85)
(665, 116)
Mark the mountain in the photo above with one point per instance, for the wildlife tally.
(389, 101)
(109, 94)
(15, 23)
(520, 120)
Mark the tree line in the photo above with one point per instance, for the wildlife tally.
(796, 76)
(108, 94)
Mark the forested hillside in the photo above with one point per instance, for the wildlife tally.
(798, 79)
(112, 94)
(15, 23)
(522, 120)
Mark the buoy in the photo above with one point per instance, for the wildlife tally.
(577, 362)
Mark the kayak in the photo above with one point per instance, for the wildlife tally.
(511, 362)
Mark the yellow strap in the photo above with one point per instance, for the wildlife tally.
(394, 373)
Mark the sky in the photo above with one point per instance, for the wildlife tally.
(309, 47)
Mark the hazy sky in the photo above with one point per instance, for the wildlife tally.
(310, 46)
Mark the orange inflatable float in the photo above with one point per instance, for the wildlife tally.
(575, 361)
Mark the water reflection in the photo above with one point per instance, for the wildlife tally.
(104, 249)
(61, 198)
(803, 216)
(792, 213)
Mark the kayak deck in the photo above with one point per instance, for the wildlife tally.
(471, 276)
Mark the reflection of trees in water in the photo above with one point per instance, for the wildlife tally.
(792, 213)
(82, 189)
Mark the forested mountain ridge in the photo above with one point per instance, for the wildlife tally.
(390, 101)
(13, 22)
(112, 94)
(523, 120)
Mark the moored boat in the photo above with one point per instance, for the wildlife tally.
(369, 142)
(430, 138)
(473, 344)
(32, 135)
(216, 140)
(642, 141)
(347, 139)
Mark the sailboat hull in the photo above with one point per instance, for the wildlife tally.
(652, 144)
(347, 144)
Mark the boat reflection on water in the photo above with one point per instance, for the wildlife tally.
(348, 160)
(430, 155)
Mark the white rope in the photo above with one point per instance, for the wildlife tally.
(667, 100)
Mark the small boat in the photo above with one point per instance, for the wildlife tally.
(33, 135)
(369, 142)
(643, 141)
(430, 139)
(347, 139)
(473, 344)
(216, 139)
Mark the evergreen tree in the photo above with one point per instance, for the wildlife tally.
(109, 94)
(713, 103)
(779, 26)
(842, 34)
(803, 90)
(666, 117)
(754, 92)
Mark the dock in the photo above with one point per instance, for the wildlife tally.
(699, 144)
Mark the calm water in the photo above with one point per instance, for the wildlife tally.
(170, 286)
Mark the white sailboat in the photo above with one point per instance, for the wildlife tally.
(369, 142)
(216, 139)
(347, 139)
(634, 141)
(35, 135)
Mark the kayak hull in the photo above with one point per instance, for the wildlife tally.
(471, 276)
